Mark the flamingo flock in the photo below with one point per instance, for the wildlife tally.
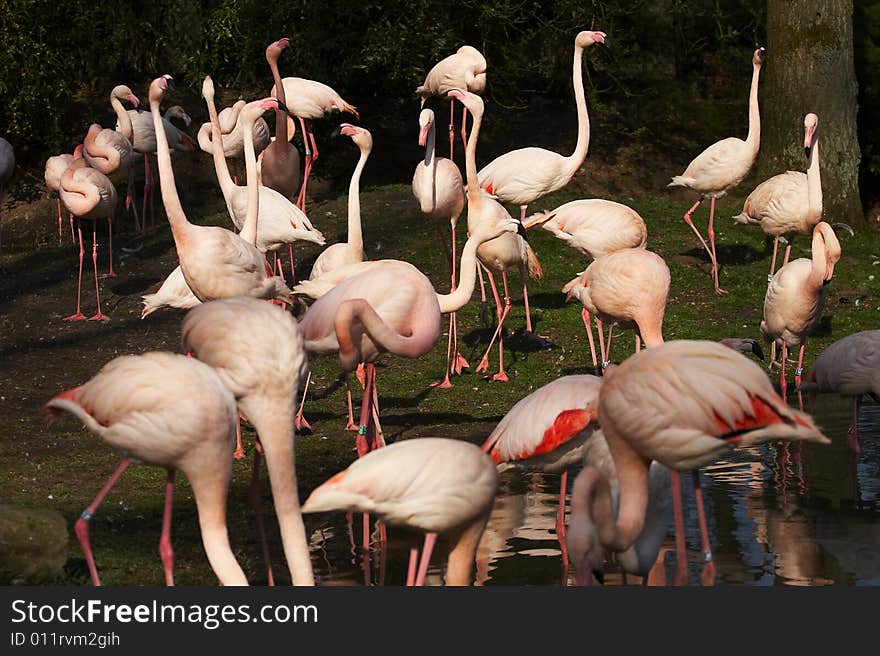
(673, 406)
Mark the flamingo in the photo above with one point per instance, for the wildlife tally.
(109, 152)
(438, 187)
(55, 168)
(433, 485)
(795, 299)
(280, 160)
(89, 195)
(722, 166)
(169, 411)
(216, 263)
(7, 167)
(173, 293)
(523, 176)
(684, 404)
(593, 226)
(789, 203)
(466, 69)
(744, 345)
(389, 306)
(139, 129)
(309, 101)
(233, 137)
(499, 255)
(257, 348)
(178, 112)
(280, 221)
(628, 287)
(851, 367)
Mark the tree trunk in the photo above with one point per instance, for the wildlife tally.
(810, 69)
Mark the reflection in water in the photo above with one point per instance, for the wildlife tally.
(778, 515)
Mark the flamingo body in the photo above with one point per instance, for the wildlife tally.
(231, 130)
(466, 69)
(173, 293)
(850, 366)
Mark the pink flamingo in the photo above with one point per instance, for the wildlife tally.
(169, 411)
(433, 485)
(233, 137)
(438, 187)
(309, 101)
(795, 299)
(389, 306)
(173, 293)
(593, 226)
(140, 130)
(280, 162)
(683, 404)
(499, 255)
(628, 287)
(789, 203)
(89, 195)
(722, 166)
(851, 367)
(257, 349)
(280, 221)
(523, 176)
(466, 69)
(216, 263)
(55, 168)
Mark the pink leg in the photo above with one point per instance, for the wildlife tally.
(525, 291)
(459, 361)
(350, 425)
(111, 273)
(147, 181)
(364, 441)
(560, 519)
(166, 553)
(787, 252)
(446, 383)
(129, 201)
(501, 376)
(413, 566)
(257, 505)
(638, 343)
(681, 567)
(601, 342)
(586, 317)
(689, 221)
(707, 577)
(718, 289)
(451, 126)
(292, 272)
(238, 454)
(852, 435)
(782, 386)
(59, 224)
(98, 316)
(78, 315)
(800, 368)
(430, 540)
(72, 236)
(299, 421)
(484, 361)
(308, 164)
(464, 114)
(81, 527)
(773, 261)
(608, 347)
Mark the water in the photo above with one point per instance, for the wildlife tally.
(778, 515)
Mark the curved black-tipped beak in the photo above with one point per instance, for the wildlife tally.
(807, 152)
(756, 349)
(763, 54)
(170, 82)
(521, 230)
(283, 107)
(599, 575)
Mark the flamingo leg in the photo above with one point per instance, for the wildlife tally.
(459, 361)
(690, 222)
(129, 200)
(257, 505)
(681, 567)
(446, 383)
(413, 566)
(78, 315)
(464, 114)
(299, 421)
(379, 437)
(787, 252)
(451, 126)
(638, 343)
(525, 290)
(782, 386)
(707, 577)
(350, 425)
(501, 376)
(59, 224)
(98, 316)
(292, 272)
(364, 440)
(300, 201)
(586, 317)
(81, 527)
(238, 454)
(560, 519)
(773, 261)
(72, 236)
(800, 370)
(718, 289)
(601, 342)
(852, 435)
(430, 541)
(484, 361)
(166, 552)
(608, 347)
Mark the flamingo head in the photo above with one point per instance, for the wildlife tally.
(759, 57)
(589, 37)
(124, 93)
(360, 136)
(426, 120)
(811, 122)
(78, 152)
(275, 48)
(208, 88)
(472, 101)
(159, 86)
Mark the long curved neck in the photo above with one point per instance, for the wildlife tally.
(814, 184)
(79, 196)
(275, 429)
(617, 533)
(173, 209)
(280, 116)
(754, 137)
(652, 331)
(123, 117)
(470, 156)
(583, 140)
(465, 289)
(355, 234)
(249, 229)
(430, 160)
(227, 184)
(460, 564)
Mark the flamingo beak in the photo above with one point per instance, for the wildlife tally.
(808, 141)
(756, 349)
(133, 100)
(599, 575)
(423, 134)
(521, 230)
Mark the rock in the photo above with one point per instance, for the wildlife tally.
(33, 545)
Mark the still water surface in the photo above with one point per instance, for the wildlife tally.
(778, 515)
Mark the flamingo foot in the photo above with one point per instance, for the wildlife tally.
(100, 316)
(681, 575)
(484, 365)
(351, 426)
(109, 274)
(300, 422)
(238, 454)
(459, 363)
(500, 377)
(79, 316)
(720, 291)
(707, 576)
(443, 384)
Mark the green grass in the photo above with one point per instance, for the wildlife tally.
(42, 355)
